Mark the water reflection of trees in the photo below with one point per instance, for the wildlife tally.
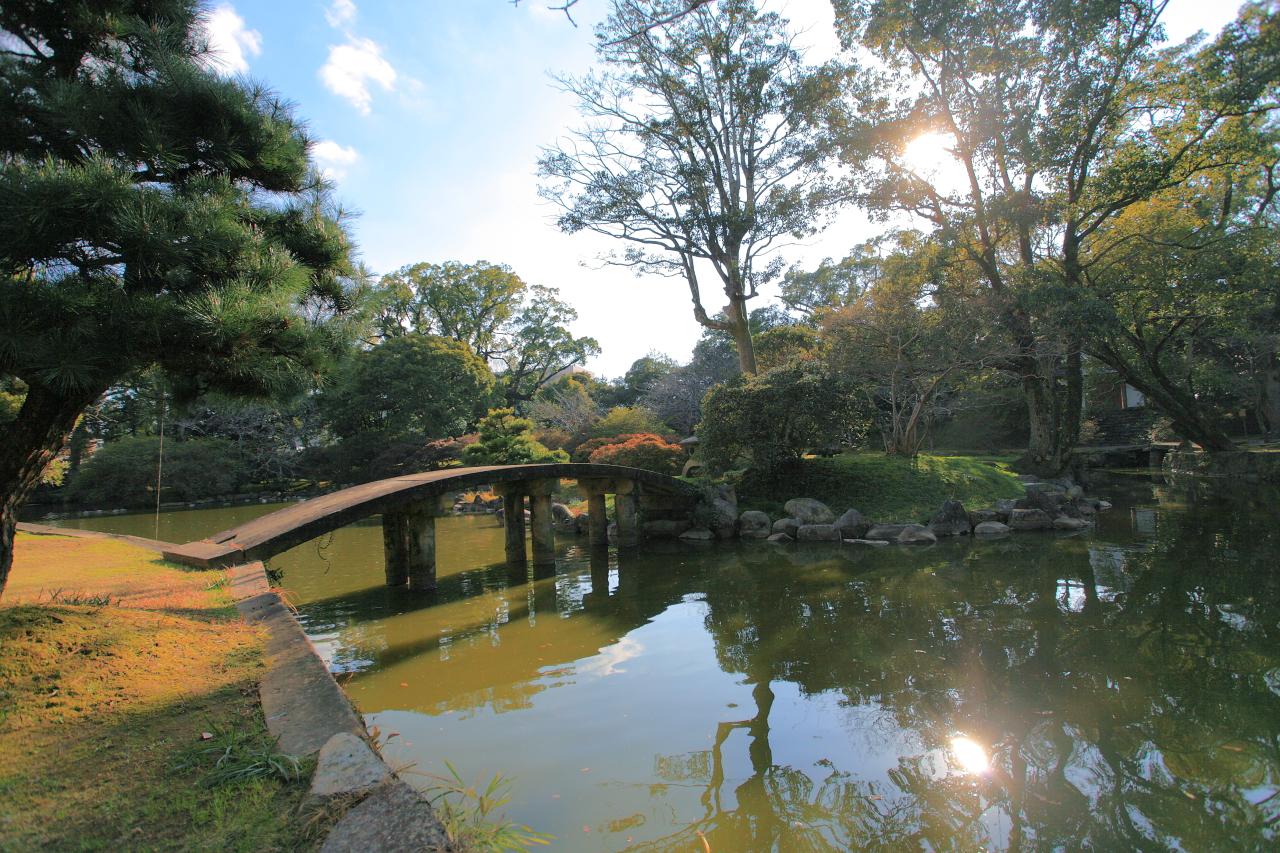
(1124, 696)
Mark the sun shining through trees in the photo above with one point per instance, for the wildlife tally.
(930, 157)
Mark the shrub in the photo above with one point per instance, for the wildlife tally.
(773, 417)
(413, 457)
(582, 453)
(508, 440)
(554, 438)
(643, 451)
(628, 420)
(123, 473)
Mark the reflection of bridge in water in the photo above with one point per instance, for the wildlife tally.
(497, 634)
(410, 504)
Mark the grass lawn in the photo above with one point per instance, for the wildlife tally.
(890, 488)
(113, 664)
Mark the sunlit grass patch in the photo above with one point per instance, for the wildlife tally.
(114, 665)
(131, 576)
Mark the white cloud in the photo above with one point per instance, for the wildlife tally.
(229, 41)
(352, 67)
(341, 14)
(611, 659)
(333, 159)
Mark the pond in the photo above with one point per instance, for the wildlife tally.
(1118, 689)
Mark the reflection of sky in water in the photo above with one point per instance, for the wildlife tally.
(1144, 520)
(1273, 681)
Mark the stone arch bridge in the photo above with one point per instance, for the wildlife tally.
(410, 504)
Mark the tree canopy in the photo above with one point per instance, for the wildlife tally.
(521, 330)
(1060, 118)
(151, 212)
(471, 303)
(412, 387)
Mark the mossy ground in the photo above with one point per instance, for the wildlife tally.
(888, 488)
(112, 665)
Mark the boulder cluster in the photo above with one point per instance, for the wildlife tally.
(1056, 505)
(1050, 505)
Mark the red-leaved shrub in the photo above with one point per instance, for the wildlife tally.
(644, 450)
(582, 453)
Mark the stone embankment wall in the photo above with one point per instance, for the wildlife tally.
(1251, 466)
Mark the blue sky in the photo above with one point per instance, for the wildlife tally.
(429, 115)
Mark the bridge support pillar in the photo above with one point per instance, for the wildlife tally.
(409, 545)
(624, 508)
(597, 516)
(540, 519)
(421, 536)
(394, 549)
(513, 524)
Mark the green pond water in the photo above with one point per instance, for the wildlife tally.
(1116, 690)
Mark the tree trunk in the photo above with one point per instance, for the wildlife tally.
(1041, 456)
(1071, 407)
(741, 331)
(1269, 396)
(1190, 419)
(27, 446)
(1054, 410)
(77, 444)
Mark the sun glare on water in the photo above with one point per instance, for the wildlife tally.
(970, 755)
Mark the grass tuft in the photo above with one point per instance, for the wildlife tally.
(235, 754)
(469, 814)
(79, 598)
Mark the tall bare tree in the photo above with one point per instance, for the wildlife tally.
(703, 149)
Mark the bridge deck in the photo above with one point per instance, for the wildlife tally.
(278, 531)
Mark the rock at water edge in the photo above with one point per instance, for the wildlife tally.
(951, 520)
(809, 511)
(393, 817)
(916, 534)
(346, 765)
(885, 532)
(991, 528)
(818, 533)
(788, 526)
(1030, 519)
(754, 524)
(852, 525)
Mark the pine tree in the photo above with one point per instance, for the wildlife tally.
(151, 214)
